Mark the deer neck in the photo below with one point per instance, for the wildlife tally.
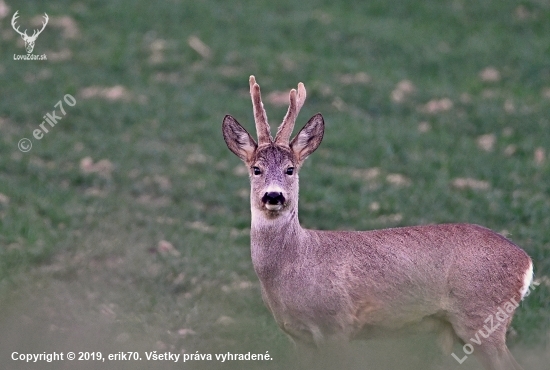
(274, 242)
(266, 228)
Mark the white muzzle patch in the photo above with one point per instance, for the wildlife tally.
(273, 207)
(273, 198)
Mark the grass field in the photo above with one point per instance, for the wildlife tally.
(125, 227)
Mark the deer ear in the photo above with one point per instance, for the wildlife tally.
(309, 137)
(238, 140)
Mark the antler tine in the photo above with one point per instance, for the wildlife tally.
(14, 21)
(260, 117)
(297, 99)
(46, 18)
(301, 98)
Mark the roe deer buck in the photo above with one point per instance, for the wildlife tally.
(335, 286)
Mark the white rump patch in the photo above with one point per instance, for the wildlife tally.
(527, 280)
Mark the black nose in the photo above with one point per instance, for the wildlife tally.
(273, 198)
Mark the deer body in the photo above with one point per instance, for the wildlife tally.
(334, 286)
(346, 283)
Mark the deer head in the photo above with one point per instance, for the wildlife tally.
(274, 163)
(29, 40)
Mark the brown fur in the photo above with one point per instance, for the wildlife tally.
(332, 286)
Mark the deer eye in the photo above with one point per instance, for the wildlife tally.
(290, 171)
(256, 170)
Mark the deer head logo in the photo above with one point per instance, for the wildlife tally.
(29, 40)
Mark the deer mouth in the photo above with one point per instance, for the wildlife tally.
(273, 201)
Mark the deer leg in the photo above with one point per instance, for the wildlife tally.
(512, 360)
(446, 338)
(330, 352)
(489, 347)
(306, 354)
(497, 358)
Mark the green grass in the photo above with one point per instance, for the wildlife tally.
(79, 265)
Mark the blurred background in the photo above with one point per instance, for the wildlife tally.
(126, 226)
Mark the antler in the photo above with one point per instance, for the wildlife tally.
(297, 100)
(43, 26)
(262, 127)
(24, 34)
(13, 21)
